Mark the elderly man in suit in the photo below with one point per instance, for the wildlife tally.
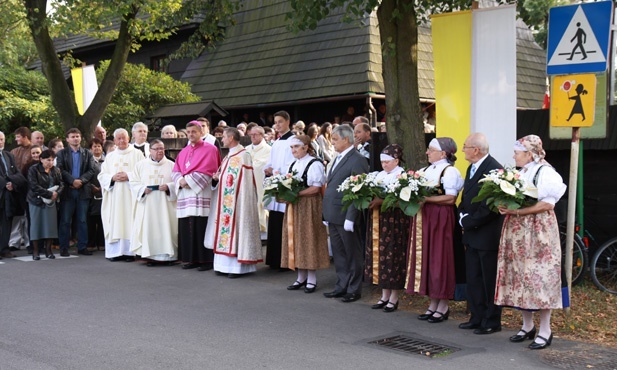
(345, 238)
(481, 233)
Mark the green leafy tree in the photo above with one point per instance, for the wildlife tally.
(398, 27)
(139, 93)
(24, 101)
(128, 23)
(535, 14)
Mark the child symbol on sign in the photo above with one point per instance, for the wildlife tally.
(578, 105)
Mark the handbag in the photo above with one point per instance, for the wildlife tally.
(49, 201)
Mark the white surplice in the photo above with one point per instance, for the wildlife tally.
(260, 154)
(118, 206)
(155, 227)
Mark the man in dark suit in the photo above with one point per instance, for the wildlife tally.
(78, 168)
(12, 182)
(481, 233)
(345, 231)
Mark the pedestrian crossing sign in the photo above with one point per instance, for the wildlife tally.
(578, 38)
(573, 100)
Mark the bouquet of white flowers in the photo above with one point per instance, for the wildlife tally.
(505, 188)
(282, 187)
(407, 192)
(360, 190)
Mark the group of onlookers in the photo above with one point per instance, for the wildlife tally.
(208, 213)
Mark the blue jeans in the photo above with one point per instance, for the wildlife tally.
(68, 207)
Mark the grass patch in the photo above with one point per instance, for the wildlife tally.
(592, 318)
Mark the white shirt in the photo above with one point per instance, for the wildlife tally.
(315, 175)
(451, 182)
(549, 183)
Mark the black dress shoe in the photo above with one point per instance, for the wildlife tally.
(379, 305)
(487, 330)
(526, 335)
(443, 317)
(547, 342)
(50, 257)
(205, 267)
(232, 276)
(334, 294)
(189, 266)
(351, 297)
(65, 253)
(36, 258)
(469, 325)
(391, 309)
(296, 285)
(426, 316)
(127, 258)
(112, 259)
(310, 289)
(84, 252)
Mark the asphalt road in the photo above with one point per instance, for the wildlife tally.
(88, 313)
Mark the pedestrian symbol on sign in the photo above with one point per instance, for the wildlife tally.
(581, 38)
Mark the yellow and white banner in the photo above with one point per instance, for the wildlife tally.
(474, 54)
(85, 86)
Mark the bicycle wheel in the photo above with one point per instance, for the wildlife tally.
(604, 267)
(580, 259)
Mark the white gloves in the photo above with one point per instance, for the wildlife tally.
(348, 226)
(460, 218)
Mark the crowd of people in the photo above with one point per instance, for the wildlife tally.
(207, 212)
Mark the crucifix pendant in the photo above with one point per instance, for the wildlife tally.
(188, 164)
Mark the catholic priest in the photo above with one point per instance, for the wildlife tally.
(234, 222)
(260, 154)
(118, 206)
(192, 176)
(155, 227)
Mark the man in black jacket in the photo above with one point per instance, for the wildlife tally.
(77, 167)
(12, 182)
(481, 233)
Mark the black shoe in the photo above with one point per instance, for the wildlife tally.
(426, 316)
(189, 266)
(310, 289)
(64, 253)
(85, 252)
(379, 305)
(127, 258)
(469, 325)
(13, 249)
(50, 257)
(391, 309)
(487, 330)
(151, 264)
(205, 267)
(218, 273)
(443, 317)
(296, 285)
(36, 258)
(351, 297)
(536, 345)
(334, 294)
(526, 335)
(231, 276)
(114, 259)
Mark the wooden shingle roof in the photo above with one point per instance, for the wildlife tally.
(261, 62)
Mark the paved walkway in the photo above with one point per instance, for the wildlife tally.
(88, 313)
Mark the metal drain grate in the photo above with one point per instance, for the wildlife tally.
(411, 345)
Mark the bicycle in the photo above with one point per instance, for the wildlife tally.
(580, 256)
(603, 267)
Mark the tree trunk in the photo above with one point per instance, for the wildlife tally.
(62, 97)
(399, 38)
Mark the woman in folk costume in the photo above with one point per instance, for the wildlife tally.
(305, 244)
(529, 260)
(386, 244)
(431, 256)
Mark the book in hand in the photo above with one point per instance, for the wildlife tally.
(153, 187)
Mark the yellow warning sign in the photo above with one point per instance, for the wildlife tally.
(573, 100)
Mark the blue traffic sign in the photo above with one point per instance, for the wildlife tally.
(578, 38)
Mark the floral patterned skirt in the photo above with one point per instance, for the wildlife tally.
(529, 263)
(386, 263)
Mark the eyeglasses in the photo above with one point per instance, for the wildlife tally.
(469, 147)
(158, 149)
